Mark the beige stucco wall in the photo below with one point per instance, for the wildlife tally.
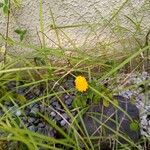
(92, 15)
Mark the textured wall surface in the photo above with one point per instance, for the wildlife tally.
(81, 23)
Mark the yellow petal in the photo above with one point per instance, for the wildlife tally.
(81, 84)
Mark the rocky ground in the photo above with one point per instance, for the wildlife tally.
(50, 107)
(53, 109)
(141, 95)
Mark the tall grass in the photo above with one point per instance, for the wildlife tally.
(48, 64)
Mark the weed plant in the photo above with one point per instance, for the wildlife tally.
(50, 66)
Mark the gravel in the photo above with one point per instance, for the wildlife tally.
(53, 114)
(141, 95)
(52, 108)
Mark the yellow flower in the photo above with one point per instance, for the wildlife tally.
(81, 83)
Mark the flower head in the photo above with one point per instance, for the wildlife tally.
(81, 83)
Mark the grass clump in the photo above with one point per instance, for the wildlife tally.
(52, 82)
(45, 94)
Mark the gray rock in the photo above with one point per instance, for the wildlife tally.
(66, 97)
(31, 119)
(63, 122)
(111, 117)
(49, 131)
(56, 105)
(42, 108)
(18, 113)
(68, 101)
(127, 94)
(41, 125)
(58, 117)
(53, 114)
(32, 128)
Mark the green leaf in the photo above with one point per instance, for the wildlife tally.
(2, 64)
(21, 37)
(96, 98)
(18, 31)
(106, 103)
(80, 101)
(21, 99)
(2, 50)
(24, 31)
(21, 33)
(10, 41)
(39, 61)
(116, 102)
(16, 119)
(134, 126)
(1, 5)
(6, 2)
(90, 94)
(6, 9)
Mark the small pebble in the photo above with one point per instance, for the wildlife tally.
(68, 101)
(56, 105)
(66, 97)
(53, 114)
(18, 113)
(58, 117)
(63, 123)
(31, 119)
(32, 128)
(41, 125)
